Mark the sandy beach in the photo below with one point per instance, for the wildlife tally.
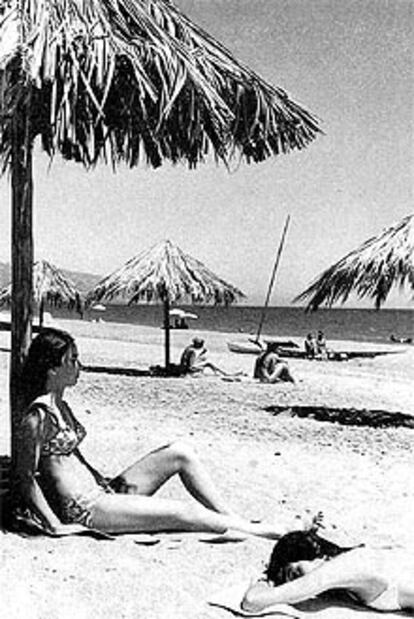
(268, 466)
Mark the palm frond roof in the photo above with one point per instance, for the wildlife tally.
(49, 284)
(371, 270)
(164, 272)
(136, 80)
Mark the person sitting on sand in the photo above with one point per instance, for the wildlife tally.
(194, 359)
(302, 565)
(311, 348)
(59, 489)
(269, 367)
(321, 347)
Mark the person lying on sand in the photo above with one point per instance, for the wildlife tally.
(58, 487)
(269, 367)
(303, 565)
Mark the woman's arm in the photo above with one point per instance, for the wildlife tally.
(99, 478)
(262, 595)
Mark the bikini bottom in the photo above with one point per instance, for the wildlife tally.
(387, 600)
(72, 511)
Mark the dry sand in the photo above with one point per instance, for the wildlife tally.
(272, 467)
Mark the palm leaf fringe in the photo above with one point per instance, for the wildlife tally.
(371, 270)
(49, 285)
(164, 272)
(133, 80)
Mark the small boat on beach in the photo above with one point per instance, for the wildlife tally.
(249, 347)
(401, 340)
(336, 355)
(255, 347)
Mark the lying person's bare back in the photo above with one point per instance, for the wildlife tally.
(380, 578)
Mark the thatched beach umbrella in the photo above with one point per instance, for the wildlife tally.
(50, 286)
(371, 270)
(165, 274)
(122, 80)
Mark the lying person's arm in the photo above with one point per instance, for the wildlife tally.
(262, 595)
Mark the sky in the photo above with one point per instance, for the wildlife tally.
(350, 64)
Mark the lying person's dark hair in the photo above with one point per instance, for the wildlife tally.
(299, 546)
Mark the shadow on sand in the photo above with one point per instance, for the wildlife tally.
(373, 418)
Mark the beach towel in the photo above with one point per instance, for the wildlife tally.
(329, 607)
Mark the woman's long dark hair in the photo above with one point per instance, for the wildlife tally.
(45, 353)
(299, 546)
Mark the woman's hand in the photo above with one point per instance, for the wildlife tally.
(103, 481)
(310, 522)
(317, 521)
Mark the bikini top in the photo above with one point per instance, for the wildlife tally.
(387, 600)
(61, 439)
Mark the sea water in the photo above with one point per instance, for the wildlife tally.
(367, 325)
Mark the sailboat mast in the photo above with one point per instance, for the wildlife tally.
(272, 279)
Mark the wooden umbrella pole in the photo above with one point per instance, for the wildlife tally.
(41, 312)
(272, 279)
(22, 255)
(167, 331)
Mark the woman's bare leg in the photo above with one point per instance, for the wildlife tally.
(119, 513)
(215, 368)
(282, 372)
(148, 474)
(146, 513)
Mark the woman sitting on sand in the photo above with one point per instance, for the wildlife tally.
(269, 367)
(303, 565)
(58, 487)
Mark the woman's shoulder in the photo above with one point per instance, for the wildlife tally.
(42, 402)
(39, 409)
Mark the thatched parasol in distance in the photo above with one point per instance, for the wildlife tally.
(122, 80)
(164, 273)
(371, 270)
(51, 286)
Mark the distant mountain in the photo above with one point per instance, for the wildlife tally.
(82, 281)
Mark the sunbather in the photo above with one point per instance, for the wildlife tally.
(194, 359)
(303, 565)
(57, 486)
(310, 346)
(270, 368)
(321, 346)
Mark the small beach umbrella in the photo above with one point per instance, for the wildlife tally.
(50, 286)
(371, 270)
(190, 316)
(176, 312)
(164, 273)
(179, 313)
